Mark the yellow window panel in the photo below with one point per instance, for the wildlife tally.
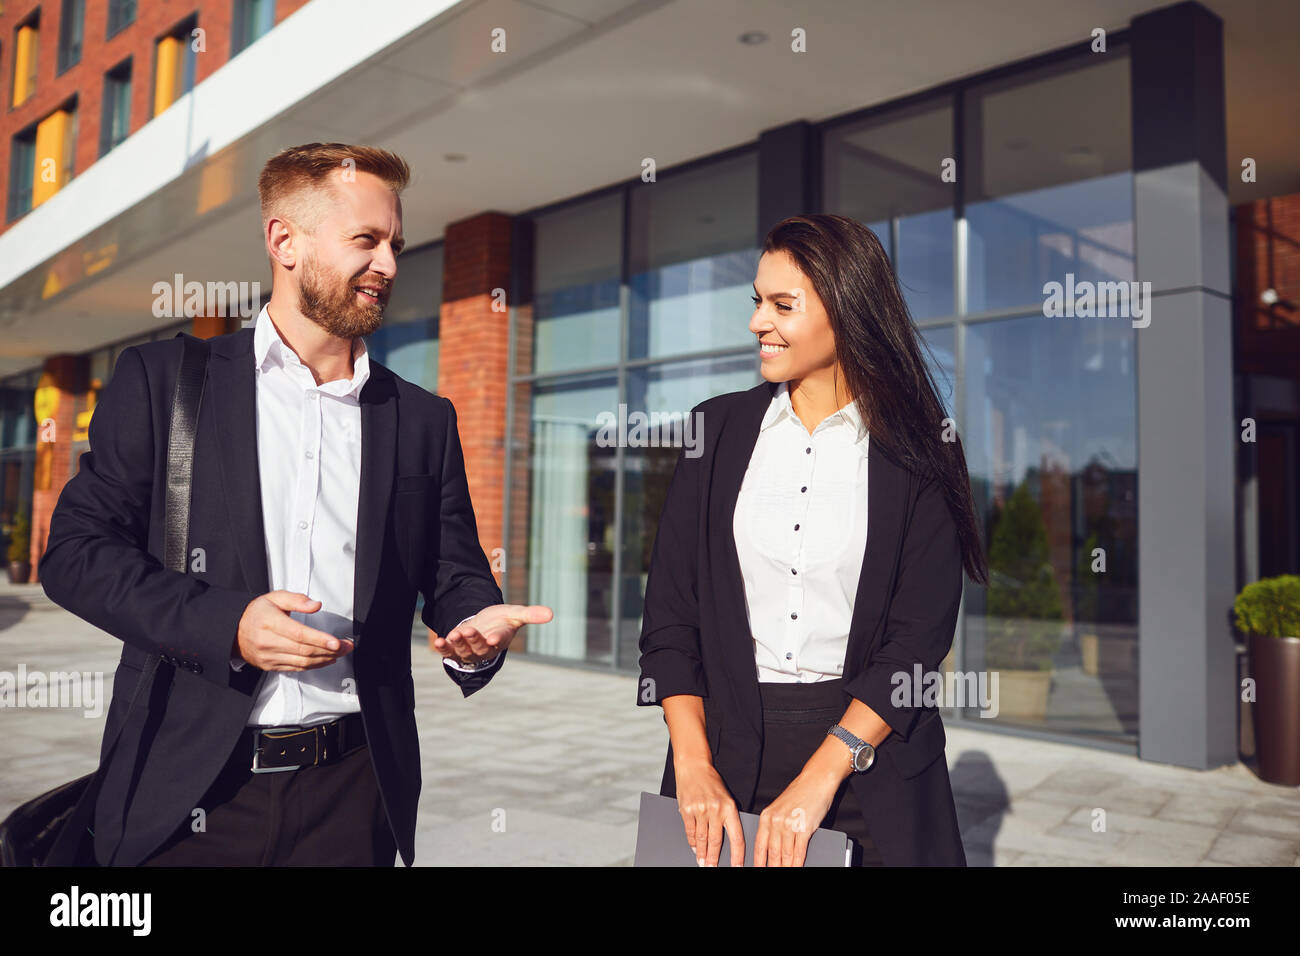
(25, 47)
(166, 77)
(51, 153)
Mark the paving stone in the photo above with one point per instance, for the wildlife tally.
(566, 753)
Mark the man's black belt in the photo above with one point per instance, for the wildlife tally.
(291, 748)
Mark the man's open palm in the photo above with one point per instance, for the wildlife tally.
(489, 632)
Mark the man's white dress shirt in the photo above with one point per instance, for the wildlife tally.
(309, 470)
(801, 532)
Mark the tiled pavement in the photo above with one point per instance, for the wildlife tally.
(546, 764)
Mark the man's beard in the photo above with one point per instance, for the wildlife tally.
(332, 303)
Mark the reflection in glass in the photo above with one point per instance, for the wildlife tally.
(407, 341)
(940, 357)
(576, 260)
(885, 171)
(1046, 193)
(692, 259)
(570, 515)
(672, 390)
(1051, 443)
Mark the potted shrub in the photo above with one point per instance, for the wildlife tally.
(1024, 609)
(1086, 608)
(1268, 611)
(20, 551)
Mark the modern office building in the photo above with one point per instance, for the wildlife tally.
(592, 181)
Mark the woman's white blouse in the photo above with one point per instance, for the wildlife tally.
(801, 532)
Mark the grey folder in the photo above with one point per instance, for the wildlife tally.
(661, 839)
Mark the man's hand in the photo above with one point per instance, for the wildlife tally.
(489, 632)
(271, 640)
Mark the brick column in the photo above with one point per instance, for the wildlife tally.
(60, 395)
(206, 326)
(472, 347)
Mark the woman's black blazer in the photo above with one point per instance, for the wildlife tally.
(695, 635)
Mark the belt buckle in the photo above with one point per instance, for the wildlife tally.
(257, 751)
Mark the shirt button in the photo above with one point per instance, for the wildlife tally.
(794, 615)
(793, 571)
(311, 454)
(796, 527)
(789, 656)
(311, 396)
(804, 488)
(807, 451)
(302, 524)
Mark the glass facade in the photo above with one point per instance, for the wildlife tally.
(640, 303)
(407, 342)
(636, 308)
(644, 289)
(888, 172)
(1046, 406)
(17, 450)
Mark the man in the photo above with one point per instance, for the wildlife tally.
(326, 491)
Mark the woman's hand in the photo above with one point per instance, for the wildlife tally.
(707, 810)
(786, 824)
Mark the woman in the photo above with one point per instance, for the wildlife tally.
(807, 571)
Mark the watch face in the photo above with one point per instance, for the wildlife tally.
(862, 759)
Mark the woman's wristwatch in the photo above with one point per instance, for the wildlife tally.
(863, 753)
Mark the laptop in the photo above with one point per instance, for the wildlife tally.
(661, 839)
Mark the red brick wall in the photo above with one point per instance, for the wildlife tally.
(472, 345)
(154, 18)
(1268, 257)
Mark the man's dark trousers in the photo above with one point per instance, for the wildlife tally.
(329, 815)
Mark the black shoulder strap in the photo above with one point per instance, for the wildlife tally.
(180, 472)
(180, 451)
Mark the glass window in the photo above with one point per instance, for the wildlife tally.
(1049, 186)
(692, 256)
(938, 347)
(115, 125)
(576, 263)
(567, 519)
(887, 172)
(22, 168)
(121, 14)
(665, 395)
(101, 367)
(1051, 442)
(72, 22)
(17, 411)
(407, 341)
(251, 20)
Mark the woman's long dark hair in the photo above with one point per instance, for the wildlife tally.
(878, 348)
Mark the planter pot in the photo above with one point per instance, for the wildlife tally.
(1107, 655)
(1275, 665)
(1088, 652)
(1023, 694)
(20, 572)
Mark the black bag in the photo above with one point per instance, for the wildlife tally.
(54, 829)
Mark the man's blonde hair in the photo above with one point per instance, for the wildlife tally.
(295, 183)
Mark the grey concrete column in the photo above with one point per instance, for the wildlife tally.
(1186, 435)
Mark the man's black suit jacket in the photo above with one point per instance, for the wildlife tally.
(696, 639)
(103, 561)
